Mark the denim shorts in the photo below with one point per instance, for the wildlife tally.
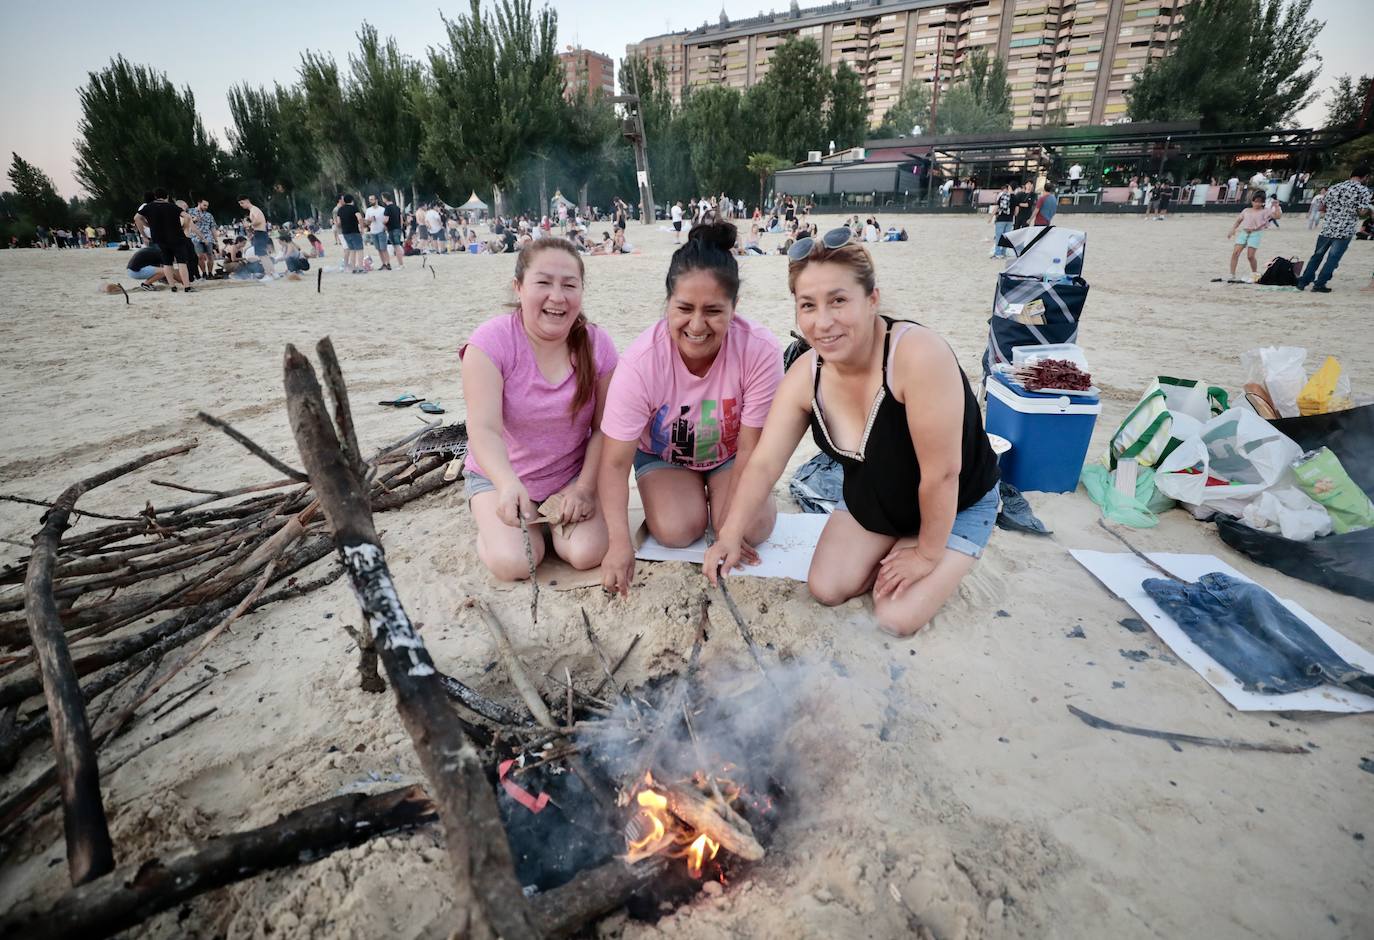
(379, 241)
(972, 526)
(1248, 239)
(396, 236)
(477, 484)
(353, 241)
(648, 463)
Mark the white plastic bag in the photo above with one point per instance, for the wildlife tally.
(1280, 370)
(1288, 511)
(1241, 452)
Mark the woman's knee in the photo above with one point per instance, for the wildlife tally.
(508, 562)
(679, 529)
(891, 619)
(584, 554)
(830, 591)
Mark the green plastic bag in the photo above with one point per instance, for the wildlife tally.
(1321, 476)
(1140, 511)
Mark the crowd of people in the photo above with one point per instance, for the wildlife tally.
(698, 410)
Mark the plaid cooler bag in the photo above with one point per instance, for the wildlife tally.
(1028, 312)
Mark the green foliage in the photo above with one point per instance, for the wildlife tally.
(847, 109)
(764, 165)
(911, 109)
(979, 101)
(329, 119)
(136, 132)
(254, 140)
(1237, 65)
(1352, 154)
(789, 106)
(668, 144)
(1347, 101)
(34, 194)
(382, 97)
(590, 138)
(712, 125)
(496, 90)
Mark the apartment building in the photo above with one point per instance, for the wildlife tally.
(583, 68)
(1068, 61)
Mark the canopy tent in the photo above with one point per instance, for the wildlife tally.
(473, 203)
(559, 198)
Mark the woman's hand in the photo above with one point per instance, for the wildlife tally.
(618, 569)
(725, 555)
(575, 504)
(901, 568)
(513, 503)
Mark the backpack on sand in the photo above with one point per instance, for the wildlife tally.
(1282, 272)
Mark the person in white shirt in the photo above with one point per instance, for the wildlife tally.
(1075, 177)
(434, 222)
(376, 230)
(676, 215)
(1232, 188)
(871, 233)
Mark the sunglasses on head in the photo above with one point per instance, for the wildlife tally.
(835, 238)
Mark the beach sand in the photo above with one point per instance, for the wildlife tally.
(938, 783)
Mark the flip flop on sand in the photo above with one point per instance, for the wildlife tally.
(404, 400)
(431, 408)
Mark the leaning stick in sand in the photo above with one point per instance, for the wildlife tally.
(1175, 738)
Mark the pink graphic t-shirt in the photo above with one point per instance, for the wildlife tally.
(545, 441)
(688, 420)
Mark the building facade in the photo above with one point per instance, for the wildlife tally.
(1068, 61)
(583, 68)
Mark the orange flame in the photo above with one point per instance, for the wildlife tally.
(696, 853)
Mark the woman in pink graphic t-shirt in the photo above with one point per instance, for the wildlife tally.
(535, 382)
(686, 407)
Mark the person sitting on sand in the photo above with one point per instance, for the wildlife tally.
(686, 408)
(1251, 222)
(887, 400)
(291, 255)
(754, 246)
(535, 382)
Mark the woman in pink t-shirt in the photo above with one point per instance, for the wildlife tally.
(686, 408)
(535, 382)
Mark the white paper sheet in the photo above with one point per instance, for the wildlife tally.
(1123, 573)
(786, 554)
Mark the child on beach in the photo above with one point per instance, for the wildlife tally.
(535, 381)
(686, 408)
(1251, 223)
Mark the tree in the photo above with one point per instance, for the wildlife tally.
(497, 89)
(591, 136)
(136, 132)
(711, 120)
(1237, 65)
(381, 96)
(255, 139)
(1346, 104)
(791, 101)
(669, 147)
(330, 120)
(764, 165)
(979, 100)
(847, 109)
(35, 195)
(909, 111)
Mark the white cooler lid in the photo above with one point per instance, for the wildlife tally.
(1040, 406)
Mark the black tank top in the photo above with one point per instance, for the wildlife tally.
(881, 480)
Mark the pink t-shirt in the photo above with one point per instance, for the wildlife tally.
(545, 442)
(690, 420)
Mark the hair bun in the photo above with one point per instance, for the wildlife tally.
(720, 235)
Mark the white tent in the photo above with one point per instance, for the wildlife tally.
(473, 203)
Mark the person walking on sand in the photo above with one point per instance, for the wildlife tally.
(1002, 219)
(1345, 203)
(163, 222)
(676, 215)
(1317, 209)
(205, 236)
(1024, 203)
(1046, 206)
(262, 242)
(375, 217)
(395, 233)
(1251, 222)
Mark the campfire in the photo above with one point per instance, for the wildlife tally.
(691, 823)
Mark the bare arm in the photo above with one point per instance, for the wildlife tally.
(744, 449)
(782, 431)
(596, 445)
(929, 383)
(483, 386)
(613, 487)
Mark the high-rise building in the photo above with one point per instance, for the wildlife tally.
(583, 68)
(1068, 61)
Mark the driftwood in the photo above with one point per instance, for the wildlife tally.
(716, 820)
(529, 694)
(487, 896)
(89, 852)
(132, 895)
(565, 910)
(1175, 738)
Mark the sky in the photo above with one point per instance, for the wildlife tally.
(51, 47)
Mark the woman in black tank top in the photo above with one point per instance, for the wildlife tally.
(887, 400)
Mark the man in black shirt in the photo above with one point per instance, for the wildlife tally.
(349, 227)
(394, 232)
(1024, 204)
(164, 222)
(146, 265)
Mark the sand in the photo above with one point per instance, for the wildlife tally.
(941, 783)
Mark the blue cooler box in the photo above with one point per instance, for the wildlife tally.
(1049, 435)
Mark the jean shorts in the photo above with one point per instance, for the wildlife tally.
(972, 526)
(1248, 239)
(353, 241)
(379, 241)
(648, 463)
(396, 236)
(477, 484)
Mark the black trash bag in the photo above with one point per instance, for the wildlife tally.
(1343, 563)
(818, 484)
(1245, 628)
(565, 837)
(1016, 514)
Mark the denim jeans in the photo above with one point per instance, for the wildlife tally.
(1332, 248)
(998, 230)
